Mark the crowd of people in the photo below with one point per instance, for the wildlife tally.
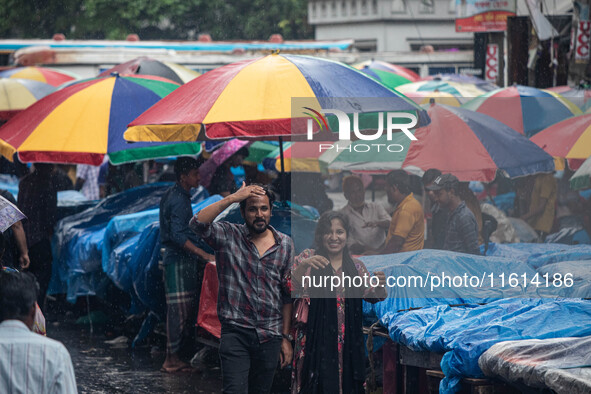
(269, 316)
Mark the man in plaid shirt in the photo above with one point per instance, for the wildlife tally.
(253, 262)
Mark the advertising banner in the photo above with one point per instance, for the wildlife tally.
(491, 67)
(582, 41)
(483, 15)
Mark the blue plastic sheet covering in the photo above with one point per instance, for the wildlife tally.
(10, 183)
(78, 240)
(288, 218)
(414, 279)
(122, 237)
(504, 201)
(538, 255)
(71, 202)
(464, 332)
(147, 278)
(559, 364)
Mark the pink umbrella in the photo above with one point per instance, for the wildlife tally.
(218, 157)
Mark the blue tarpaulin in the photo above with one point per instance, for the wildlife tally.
(78, 240)
(538, 255)
(465, 331)
(121, 240)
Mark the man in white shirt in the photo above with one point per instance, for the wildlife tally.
(368, 221)
(29, 362)
(87, 181)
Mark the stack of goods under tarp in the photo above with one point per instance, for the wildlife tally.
(483, 315)
(561, 364)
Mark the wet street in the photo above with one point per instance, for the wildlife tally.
(104, 368)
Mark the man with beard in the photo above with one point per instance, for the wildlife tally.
(253, 262)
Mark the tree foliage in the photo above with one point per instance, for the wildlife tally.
(154, 20)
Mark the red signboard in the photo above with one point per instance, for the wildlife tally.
(483, 15)
(582, 41)
(491, 67)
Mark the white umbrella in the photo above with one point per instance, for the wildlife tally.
(9, 214)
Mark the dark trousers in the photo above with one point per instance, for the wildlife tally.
(247, 365)
(41, 259)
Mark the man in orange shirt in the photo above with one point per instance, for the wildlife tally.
(407, 228)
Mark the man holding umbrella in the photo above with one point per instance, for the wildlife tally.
(254, 301)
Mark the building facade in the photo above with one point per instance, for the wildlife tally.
(389, 25)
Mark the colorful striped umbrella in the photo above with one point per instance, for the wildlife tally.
(579, 97)
(83, 122)
(47, 75)
(581, 179)
(18, 94)
(260, 150)
(473, 147)
(259, 98)
(380, 68)
(461, 78)
(303, 156)
(458, 89)
(424, 98)
(569, 139)
(358, 157)
(389, 79)
(525, 109)
(147, 66)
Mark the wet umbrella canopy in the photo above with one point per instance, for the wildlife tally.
(83, 122)
(18, 94)
(146, 66)
(50, 76)
(473, 146)
(255, 98)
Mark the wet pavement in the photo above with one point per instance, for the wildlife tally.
(103, 368)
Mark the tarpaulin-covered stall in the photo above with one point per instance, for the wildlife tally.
(463, 322)
(78, 240)
(560, 364)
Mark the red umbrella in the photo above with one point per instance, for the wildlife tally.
(569, 139)
(473, 147)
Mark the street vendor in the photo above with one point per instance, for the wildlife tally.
(184, 264)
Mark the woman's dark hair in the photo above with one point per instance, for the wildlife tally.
(323, 228)
(268, 192)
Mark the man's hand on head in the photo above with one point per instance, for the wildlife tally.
(248, 191)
